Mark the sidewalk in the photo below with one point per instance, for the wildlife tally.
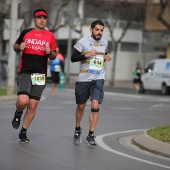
(6, 97)
(152, 145)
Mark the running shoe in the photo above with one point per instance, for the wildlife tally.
(16, 120)
(23, 137)
(91, 140)
(77, 136)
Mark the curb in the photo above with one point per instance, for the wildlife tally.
(152, 145)
(8, 97)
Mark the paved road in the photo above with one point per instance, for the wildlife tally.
(51, 134)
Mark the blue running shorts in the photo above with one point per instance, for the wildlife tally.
(92, 90)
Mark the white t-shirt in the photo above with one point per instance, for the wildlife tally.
(92, 68)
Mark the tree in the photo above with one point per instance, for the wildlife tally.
(157, 19)
(55, 11)
(5, 5)
(163, 6)
(61, 12)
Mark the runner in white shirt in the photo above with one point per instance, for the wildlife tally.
(92, 53)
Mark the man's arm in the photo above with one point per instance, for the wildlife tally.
(52, 55)
(77, 56)
(19, 47)
(16, 48)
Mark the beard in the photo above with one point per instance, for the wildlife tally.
(95, 36)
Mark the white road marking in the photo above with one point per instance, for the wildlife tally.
(100, 142)
(125, 95)
(157, 105)
(138, 97)
(123, 108)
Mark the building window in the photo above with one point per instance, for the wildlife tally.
(147, 48)
(159, 49)
(131, 47)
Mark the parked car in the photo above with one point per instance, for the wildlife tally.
(156, 76)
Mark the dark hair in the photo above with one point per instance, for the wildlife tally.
(138, 64)
(37, 10)
(97, 22)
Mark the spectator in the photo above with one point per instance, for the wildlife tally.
(137, 72)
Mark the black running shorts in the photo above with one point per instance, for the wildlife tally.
(55, 77)
(24, 86)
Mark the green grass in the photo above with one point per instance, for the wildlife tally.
(160, 133)
(3, 92)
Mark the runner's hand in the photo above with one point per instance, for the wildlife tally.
(47, 49)
(107, 58)
(91, 53)
(22, 46)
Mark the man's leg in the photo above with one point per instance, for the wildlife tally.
(93, 118)
(21, 104)
(55, 81)
(53, 86)
(94, 114)
(29, 116)
(30, 113)
(78, 128)
(79, 113)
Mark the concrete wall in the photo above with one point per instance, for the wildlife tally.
(130, 36)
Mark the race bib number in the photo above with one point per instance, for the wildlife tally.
(96, 62)
(57, 68)
(38, 79)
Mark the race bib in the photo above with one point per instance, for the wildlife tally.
(96, 62)
(38, 79)
(57, 68)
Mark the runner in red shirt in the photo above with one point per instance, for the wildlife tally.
(37, 45)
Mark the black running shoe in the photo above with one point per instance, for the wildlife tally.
(77, 136)
(16, 120)
(91, 140)
(23, 137)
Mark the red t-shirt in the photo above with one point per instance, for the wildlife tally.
(34, 59)
(60, 56)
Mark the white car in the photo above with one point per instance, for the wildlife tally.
(156, 76)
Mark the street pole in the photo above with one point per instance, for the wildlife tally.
(69, 44)
(11, 69)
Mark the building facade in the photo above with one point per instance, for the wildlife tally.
(137, 45)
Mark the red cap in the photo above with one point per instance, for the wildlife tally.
(40, 13)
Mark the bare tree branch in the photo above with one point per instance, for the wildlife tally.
(163, 5)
